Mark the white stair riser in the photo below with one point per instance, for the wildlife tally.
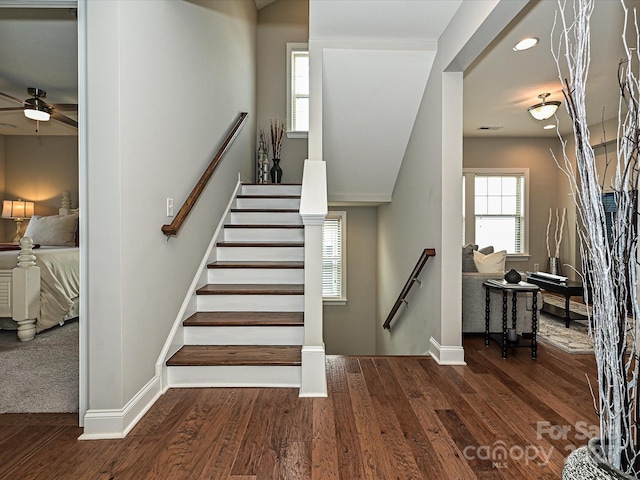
(259, 335)
(264, 234)
(271, 189)
(250, 303)
(257, 202)
(259, 254)
(256, 275)
(260, 218)
(235, 376)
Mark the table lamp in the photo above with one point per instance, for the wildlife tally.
(17, 210)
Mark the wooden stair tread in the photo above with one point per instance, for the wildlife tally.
(254, 264)
(260, 244)
(249, 319)
(262, 225)
(286, 197)
(235, 355)
(274, 184)
(264, 210)
(251, 289)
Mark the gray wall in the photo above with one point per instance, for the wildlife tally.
(282, 22)
(544, 178)
(350, 329)
(192, 65)
(39, 169)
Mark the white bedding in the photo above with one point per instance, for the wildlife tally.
(59, 281)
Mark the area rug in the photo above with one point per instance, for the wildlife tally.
(40, 376)
(556, 301)
(574, 339)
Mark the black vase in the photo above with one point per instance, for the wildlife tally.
(512, 276)
(276, 171)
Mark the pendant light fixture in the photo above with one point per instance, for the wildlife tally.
(544, 110)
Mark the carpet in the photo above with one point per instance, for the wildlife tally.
(552, 329)
(40, 376)
(574, 339)
(556, 301)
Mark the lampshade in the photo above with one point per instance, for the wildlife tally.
(17, 209)
(544, 110)
(36, 109)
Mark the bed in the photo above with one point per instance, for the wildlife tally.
(40, 278)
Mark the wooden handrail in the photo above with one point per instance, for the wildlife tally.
(413, 278)
(174, 227)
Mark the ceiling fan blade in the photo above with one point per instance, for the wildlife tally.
(61, 118)
(65, 107)
(13, 99)
(11, 109)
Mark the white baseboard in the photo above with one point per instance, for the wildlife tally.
(446, 355)
(314, 372)
(113, 423)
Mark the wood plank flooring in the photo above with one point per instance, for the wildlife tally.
(385, 418)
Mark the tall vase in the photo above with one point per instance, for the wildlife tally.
(276, 171)
(263, 164)
(586, 463)
(554, 265)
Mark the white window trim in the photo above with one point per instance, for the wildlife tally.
(342, 300)
(293, 47)
(470, 227)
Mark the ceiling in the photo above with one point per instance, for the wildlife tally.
(502, 84)
(38, 48)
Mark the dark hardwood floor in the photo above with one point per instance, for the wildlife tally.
(385, 418)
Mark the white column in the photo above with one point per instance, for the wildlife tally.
(313, 210)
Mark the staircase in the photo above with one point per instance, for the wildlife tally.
(249, 326)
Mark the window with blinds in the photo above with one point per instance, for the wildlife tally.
(495, 210)
(333, 257)
(297, 88)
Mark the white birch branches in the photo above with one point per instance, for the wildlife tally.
(609, 262)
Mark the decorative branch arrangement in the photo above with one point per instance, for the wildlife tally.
(609, 264)
(557, 236)
(277, 134)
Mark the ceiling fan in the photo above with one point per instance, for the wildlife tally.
(36, 108)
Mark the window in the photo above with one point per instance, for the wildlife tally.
(297, 90)
(333, 257)
(495, 209)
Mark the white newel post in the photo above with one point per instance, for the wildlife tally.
(26, 291)
(313, 210)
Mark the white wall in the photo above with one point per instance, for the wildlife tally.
(282, 22)
(425, 212)
(350, 329)
(166, 80)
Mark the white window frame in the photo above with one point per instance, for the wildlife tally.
(291, 48)
(342, 298)
(469, 199)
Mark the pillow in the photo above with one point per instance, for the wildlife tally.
(467, 258)
(58, 230)
(491, 263)
(486, 250)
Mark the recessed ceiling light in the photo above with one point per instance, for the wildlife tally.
(7, 125)
(526, 43)
(549, 127)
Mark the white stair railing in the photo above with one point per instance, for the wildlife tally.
(313, 210)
